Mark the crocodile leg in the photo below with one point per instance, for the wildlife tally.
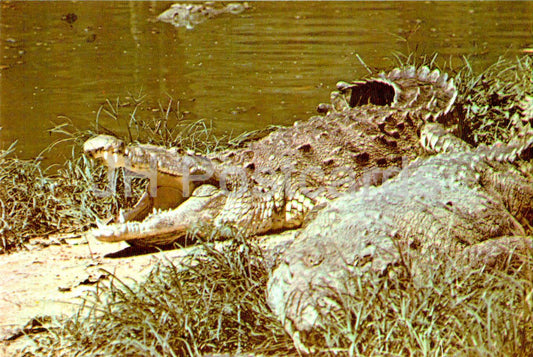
(496, 252)
(515, 191)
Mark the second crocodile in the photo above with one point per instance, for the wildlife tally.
(461, 206)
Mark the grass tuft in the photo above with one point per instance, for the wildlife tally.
(212, 302)
(451, 308)
(497, 102)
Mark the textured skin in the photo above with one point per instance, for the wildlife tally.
(190, 15)
(459, 203)
(271, 184)
(471, 203)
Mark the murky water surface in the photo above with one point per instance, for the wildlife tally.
(269, 65)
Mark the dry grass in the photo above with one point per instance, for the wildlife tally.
(210, 303)
(448, 308)
(497, 102)
(35, 202)
(215, 303)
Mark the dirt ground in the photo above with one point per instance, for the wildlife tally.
(52, 275)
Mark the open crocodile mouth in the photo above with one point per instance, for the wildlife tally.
(172, 178)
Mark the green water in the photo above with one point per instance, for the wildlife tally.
(269, 65)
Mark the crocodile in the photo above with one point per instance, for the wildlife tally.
(464, 202)
(368, 131)
(190, 15)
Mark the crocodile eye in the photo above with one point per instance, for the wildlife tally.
(313, 259)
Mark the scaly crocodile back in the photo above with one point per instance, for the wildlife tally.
(370, 126)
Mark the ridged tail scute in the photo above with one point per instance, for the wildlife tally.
(522, 129)
(418, 93)
(520, 147)
(526, 106)
(425, 94)
(435, 139)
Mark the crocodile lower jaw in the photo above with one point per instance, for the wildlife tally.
(166, 227)
(149, 230)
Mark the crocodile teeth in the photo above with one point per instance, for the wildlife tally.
(288, 216)
(121, 216)
(433, 140)
(100, 224)
(288, 206)
(308, 204)
(132, 227)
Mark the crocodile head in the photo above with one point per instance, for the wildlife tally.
(172, 177)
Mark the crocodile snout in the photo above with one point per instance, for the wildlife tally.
(107, 147)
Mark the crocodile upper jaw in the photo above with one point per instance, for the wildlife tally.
(108, 148)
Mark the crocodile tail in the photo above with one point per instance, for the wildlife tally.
(519, 147)
(417, 93)
(429, 95)
(435, 139)
(526, 111)
(522, 129)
